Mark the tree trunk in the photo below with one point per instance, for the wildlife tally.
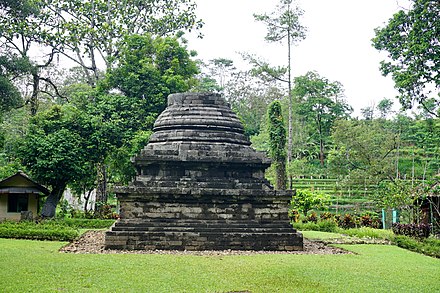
(34, 96)
(280, 171)
(101, 189)
(49, 207)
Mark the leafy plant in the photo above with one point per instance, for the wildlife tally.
(305, 200)
(38, 231)
(418, 231)
(429, 246)
(346, 221)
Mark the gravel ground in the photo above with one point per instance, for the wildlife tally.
(93, 242)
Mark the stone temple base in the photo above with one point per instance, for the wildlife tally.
(188, 222)
(200, 186)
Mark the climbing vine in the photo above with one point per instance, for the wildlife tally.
(277, 143)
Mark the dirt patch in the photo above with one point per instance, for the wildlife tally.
(93, 242)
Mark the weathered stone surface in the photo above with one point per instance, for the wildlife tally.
(200, 186)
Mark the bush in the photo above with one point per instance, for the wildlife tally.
(323, 226)
(419, 231)
(367, 232)
(326, 216)
(45, 230)
(294, 216)
(305, 200)
(312, 217)
(346, 221)
(429, 246)
(78, 223)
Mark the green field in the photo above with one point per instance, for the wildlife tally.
(344, 197)
(36, 266)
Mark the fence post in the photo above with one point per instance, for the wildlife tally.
(395, 216)
(383, 219)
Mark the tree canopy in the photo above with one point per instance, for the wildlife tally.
(411, 39)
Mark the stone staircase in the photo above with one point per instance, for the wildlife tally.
(178, 234)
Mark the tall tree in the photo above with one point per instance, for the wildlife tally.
(411, 39)
(284, 25)
(250, 97)
(86, 32)
(385, 107)
(363, 149)
(93, 30)
(320, 103)
(277, 143)
(149, 69)
(57, 150)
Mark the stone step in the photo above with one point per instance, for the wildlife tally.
(202, 241)
(213, 224)
(205, 229)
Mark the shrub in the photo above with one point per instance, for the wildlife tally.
(367, 232)
(327, 226)
(419, 231)
(312, 217)
(294, 216)
(78, 223)
(346, 221)
(429, 246)
(323, 226)
(45, 230)
(305, 200)
(326, 216)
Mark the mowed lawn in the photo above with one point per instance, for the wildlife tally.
(36, 266)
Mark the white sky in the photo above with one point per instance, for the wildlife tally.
(338, 43)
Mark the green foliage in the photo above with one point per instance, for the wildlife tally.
(430, 246)
(11, 67)
(150, 69)
(40, 231)
(419, 231)
(305, 200)
(277, 132)
(411, 39)
(277, 142)
(323, 226)
(56, 148)
(77, 223)
(320, 103)
(250, 96)
(398, 194)
(368, 232)
(363, 149)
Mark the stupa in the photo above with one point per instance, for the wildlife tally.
(200, 186)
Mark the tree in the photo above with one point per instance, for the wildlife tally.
(320, 104)
(385, 105)
(411, 39)
(250, 97)
(306, 200)
(149, 69)
(277, 143)
(283, 25)
(85, 32)
(96, 30)
(58, 150)
(363, 149)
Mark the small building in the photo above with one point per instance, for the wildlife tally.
(430, 206)
(19, 197)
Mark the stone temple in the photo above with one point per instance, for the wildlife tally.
(200, 186)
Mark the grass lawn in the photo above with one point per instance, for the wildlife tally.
(38, 267)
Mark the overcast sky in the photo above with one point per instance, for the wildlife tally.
(338, 43)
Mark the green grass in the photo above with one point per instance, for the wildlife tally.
(318, 235)
(38, 267)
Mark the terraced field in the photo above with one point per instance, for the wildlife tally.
(345, 197)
